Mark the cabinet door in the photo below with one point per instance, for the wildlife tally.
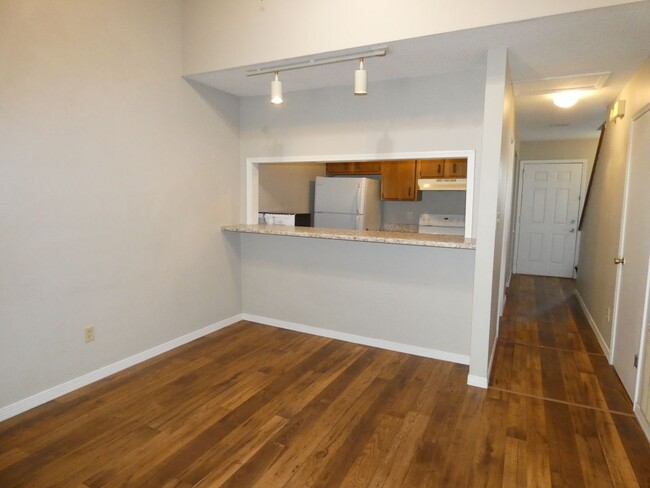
(398, 180)
(431, 168)
(367, 168)
(338, 168)
(455, 168)
(361, 168)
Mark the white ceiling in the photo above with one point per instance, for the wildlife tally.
(613, 39)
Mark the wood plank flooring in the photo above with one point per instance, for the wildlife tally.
(253, 405)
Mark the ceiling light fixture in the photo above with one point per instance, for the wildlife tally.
(276, 90)
(360, 75)
(566, 99)
(361, 80)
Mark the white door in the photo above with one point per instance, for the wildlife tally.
(635, 249)
(548, 216)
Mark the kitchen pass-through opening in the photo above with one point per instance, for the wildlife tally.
(316, 164)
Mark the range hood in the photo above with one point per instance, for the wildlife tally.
(438, 184)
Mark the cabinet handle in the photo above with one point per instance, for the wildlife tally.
(439, 168)
(454, 168)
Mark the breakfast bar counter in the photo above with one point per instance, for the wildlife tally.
(383, 237)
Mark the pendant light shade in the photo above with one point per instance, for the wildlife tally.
(276, 91)
(361, 80)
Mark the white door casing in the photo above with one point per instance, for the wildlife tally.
(642, 401)
(548, 218)
(634, 247)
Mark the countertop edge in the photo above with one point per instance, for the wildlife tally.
(381, 237)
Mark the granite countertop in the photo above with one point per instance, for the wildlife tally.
(385, 237)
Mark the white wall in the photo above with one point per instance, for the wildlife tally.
(601, 228)
(493, 224)
(415, 296)
(229, 33)
(115, 176)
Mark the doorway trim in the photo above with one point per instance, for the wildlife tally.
(520, 193)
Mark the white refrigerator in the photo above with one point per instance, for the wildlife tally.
(347, 203)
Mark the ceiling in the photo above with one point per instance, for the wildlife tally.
(612, 39)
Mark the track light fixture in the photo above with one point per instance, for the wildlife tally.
(276, 90)
(361, 80)
(360, 75)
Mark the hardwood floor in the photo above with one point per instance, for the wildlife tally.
(253, 405)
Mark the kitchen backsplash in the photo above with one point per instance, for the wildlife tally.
(441, 202)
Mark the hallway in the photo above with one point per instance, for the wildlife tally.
(567, 407)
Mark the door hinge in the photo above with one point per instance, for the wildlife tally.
(636, 360)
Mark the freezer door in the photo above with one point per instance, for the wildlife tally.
(340, 195)
(339, 220)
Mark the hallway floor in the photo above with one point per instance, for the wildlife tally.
(257, 406)
(567, 406)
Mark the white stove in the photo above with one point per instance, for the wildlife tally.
(442, 224)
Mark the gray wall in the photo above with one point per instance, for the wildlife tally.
(115, 175)
(411, 295)
(370, 290)
(443, 112)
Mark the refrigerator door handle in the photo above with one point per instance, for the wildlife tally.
(359, 202)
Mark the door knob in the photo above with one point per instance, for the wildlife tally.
(572, 229)
(619, 260)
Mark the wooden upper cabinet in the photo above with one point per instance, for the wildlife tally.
(398, 180)
(431, 168)
(368, 168)
(442, 168)
(455, 168)
(359, 168)
(337, 168)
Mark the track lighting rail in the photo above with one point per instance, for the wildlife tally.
(380, 51)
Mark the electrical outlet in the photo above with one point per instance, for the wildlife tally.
(89, 333)
(609, 314)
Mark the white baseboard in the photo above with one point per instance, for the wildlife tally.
(484, 381)
(492, 354)
(643, 421)
(592, 323)
(478, 381)
(76, 383)
(357, 339)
